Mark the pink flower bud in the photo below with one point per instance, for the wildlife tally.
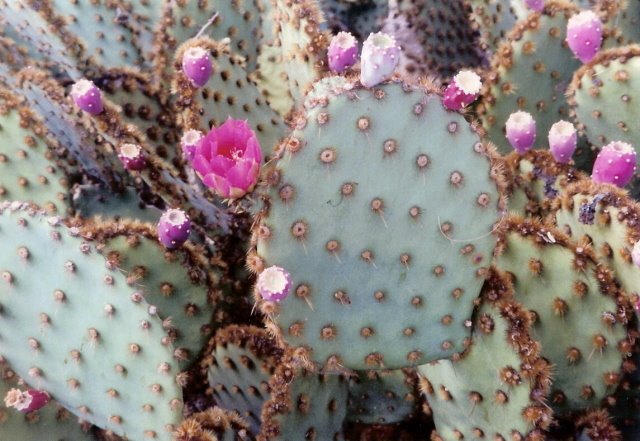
(87, 97)
(615, 164)
(189, 143)
(563, 140)
(380, 56)
(462, 91)
(343, 52)
(174, 228)
(228, 159)
(26, 401)
(521, 131)
(584, 35)
(197, 66)
(535, 5)
(132, 157)
(635, 254)
(274, 284)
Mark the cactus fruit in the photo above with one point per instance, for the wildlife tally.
(521, 131)
(196, 65)
(132, 157)
(615, 164)
(462, 91)
(342, 52)
(535, 5)
(174, 228)
(274, 284)
(190, 140)
(563, 140)
(584, 35)
(87, 96)
(380, 56)
(331, 214)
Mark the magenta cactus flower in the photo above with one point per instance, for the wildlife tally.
(174, 228)
(615, 164)
(584, 35)
(635, 254)
(26, 401)
(197, 66)
(521, 131)
(189, 142)
(228, 159)
(274, 284)
(380, 56)
(563, 140)
(87, 97)
(132, 157)
(462, 91)
(535, 5)
(343, 52)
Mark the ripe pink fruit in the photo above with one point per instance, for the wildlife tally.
(343, 52)
(87, 97)
(535, 5)
(563, 140)
(132, 157)
(615, 164)
(584, 35)
(26, 401)
(521, 131)
(197, 66)
(174, 228)
(462, 91)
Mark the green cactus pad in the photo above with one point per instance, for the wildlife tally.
(382, 204)
(28, 170)
(530, 72)
(229, 93)
(93, 201)
(606, 218)
(493, 19)
(270, 78)
(576, 307)
(488, 394)
(302, 43)
(51, 423)
(214, 424)
(74, 328)
(604, 97)
(304, 405)
(383, 397)
(239, 362)
(179, 284)
(36, 31)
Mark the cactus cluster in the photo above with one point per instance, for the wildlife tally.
(287, 220)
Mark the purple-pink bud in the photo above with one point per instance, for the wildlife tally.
(380, 56)
(635, 254)
(174, 228)
(343, 52)
(228, 159)
(87, 97)
(190, 142)
(584, 35)
(462, 91)
(274, 284)
(615, 164)
(197, 66)
(132, 157)
(26, 401)
(521, 131)
(535, 5)
(563, 140)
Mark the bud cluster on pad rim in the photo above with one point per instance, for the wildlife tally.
(381, 210)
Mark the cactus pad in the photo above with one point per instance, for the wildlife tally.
(356, 250)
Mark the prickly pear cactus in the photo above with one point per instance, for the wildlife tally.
(83, 335)
(356, 248)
